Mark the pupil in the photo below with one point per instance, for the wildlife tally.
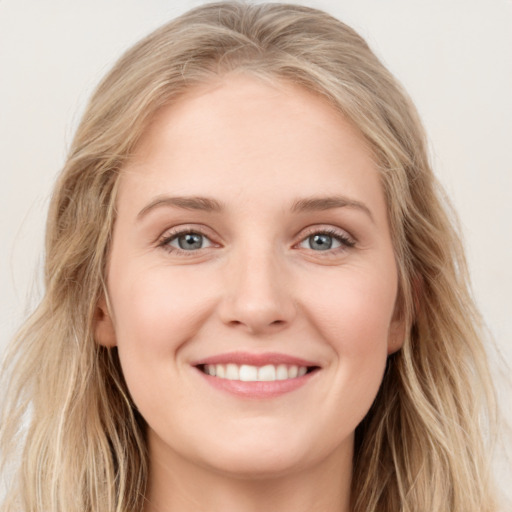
(190, 241)
(321, 242)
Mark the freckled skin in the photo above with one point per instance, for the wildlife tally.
(257, 284)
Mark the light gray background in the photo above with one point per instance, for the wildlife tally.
(453, 56)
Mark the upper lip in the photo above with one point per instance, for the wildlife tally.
(261, 359)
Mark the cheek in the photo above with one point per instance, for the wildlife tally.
(158, 308)
(354, 310)
(360, 368)
(354, 316)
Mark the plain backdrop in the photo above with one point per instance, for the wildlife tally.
(453, 56)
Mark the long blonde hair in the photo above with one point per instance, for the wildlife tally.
(68, 416)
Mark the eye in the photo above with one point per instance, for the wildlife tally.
(186, 241)
(326, 241)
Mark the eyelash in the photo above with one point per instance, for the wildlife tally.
(343, 238)
(169, 236)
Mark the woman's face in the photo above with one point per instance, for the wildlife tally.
(251, 242)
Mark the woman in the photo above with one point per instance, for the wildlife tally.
(254, 296)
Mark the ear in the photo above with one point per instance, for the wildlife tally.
(104, 332)
(396, 334)
(397, 328)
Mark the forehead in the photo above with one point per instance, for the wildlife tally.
(248, 107)
(239, 135)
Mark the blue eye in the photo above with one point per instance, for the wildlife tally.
(189, 241)
(323, 241)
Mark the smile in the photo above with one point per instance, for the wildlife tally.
(249, 373)
(257, 376)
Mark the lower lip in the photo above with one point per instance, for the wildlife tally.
(268, 389)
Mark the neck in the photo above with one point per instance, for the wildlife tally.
(178, 485)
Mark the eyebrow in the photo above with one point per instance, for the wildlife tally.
(327, 203)
(207, 204)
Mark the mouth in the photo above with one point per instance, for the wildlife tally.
(252, 373)
(256, 375)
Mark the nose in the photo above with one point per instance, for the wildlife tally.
(258, 297)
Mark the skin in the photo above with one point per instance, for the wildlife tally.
(257, 285)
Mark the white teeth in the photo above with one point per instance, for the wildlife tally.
(249, 373)
(266, 373)
(232, 372)
(282, 372)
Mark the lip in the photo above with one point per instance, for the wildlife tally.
(254, 359)
(256, 390)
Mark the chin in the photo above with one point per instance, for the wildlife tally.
(263, 456)
(258, 465)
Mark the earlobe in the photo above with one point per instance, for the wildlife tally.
(396, 332)
(396, 335)
(104, 332)
(398, 329)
